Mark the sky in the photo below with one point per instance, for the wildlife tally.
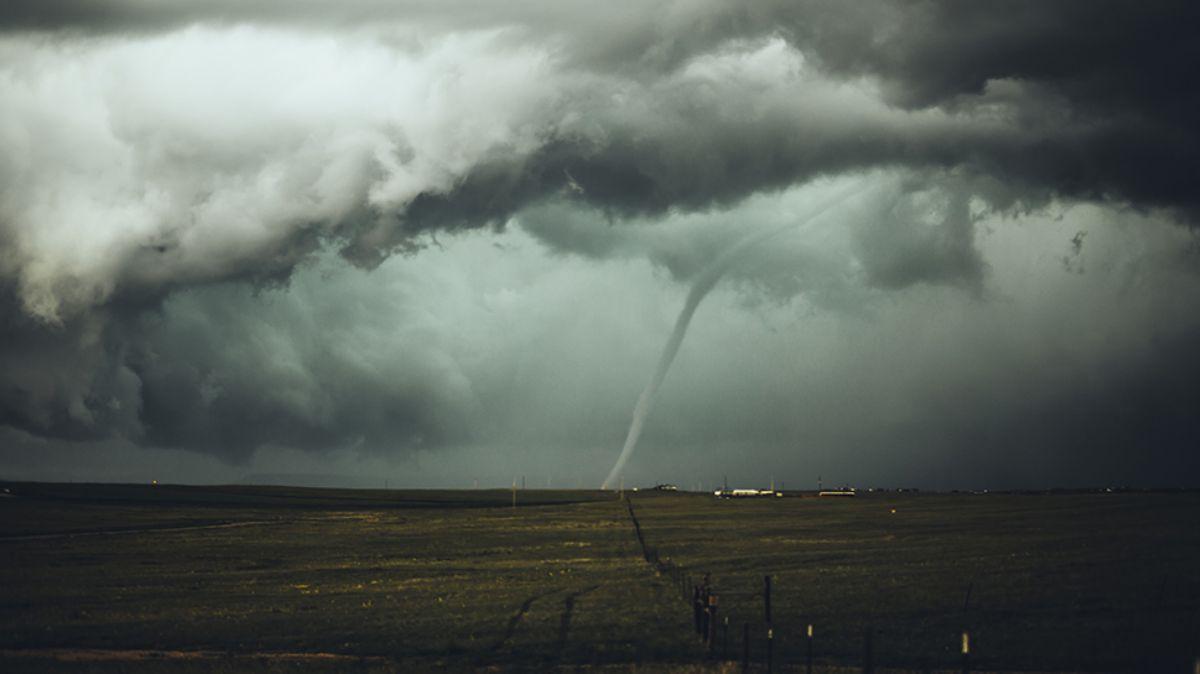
(444, 244)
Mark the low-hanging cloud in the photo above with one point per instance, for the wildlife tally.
(151, 151)
(232, 152)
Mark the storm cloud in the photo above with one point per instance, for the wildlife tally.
(230, 227)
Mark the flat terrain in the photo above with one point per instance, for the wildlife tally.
(132, 578)
(1040, 582)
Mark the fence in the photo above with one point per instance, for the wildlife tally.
(758, 639)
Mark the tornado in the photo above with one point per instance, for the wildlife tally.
(705, 281)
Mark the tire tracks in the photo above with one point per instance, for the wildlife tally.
(564, 624)
(516, 618)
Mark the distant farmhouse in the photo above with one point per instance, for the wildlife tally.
(745, 493)
(837, 492)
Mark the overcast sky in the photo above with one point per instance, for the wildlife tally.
(446, 242)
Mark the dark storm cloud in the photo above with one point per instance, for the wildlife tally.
(1100, 87)
(1095, 113)
(69, 384)
(223, 374)
(908, 229)
(1052, 99)
(164, 149)
(922, 236)
(1111, 79)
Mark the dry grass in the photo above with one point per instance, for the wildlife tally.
(380, 581)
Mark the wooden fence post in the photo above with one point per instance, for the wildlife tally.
(966, 653)
(711, 637)
(770, 650)
(767, 599)
(808, 657)
(725, 639)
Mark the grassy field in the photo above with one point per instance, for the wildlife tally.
(1061, 582)
(131, 578)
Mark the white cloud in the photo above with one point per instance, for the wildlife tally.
(218, 146)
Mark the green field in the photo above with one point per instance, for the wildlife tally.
(117, 578)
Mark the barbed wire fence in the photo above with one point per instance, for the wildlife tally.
(756, 648)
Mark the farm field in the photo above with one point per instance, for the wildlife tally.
(132, 578)
(1092, 582)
